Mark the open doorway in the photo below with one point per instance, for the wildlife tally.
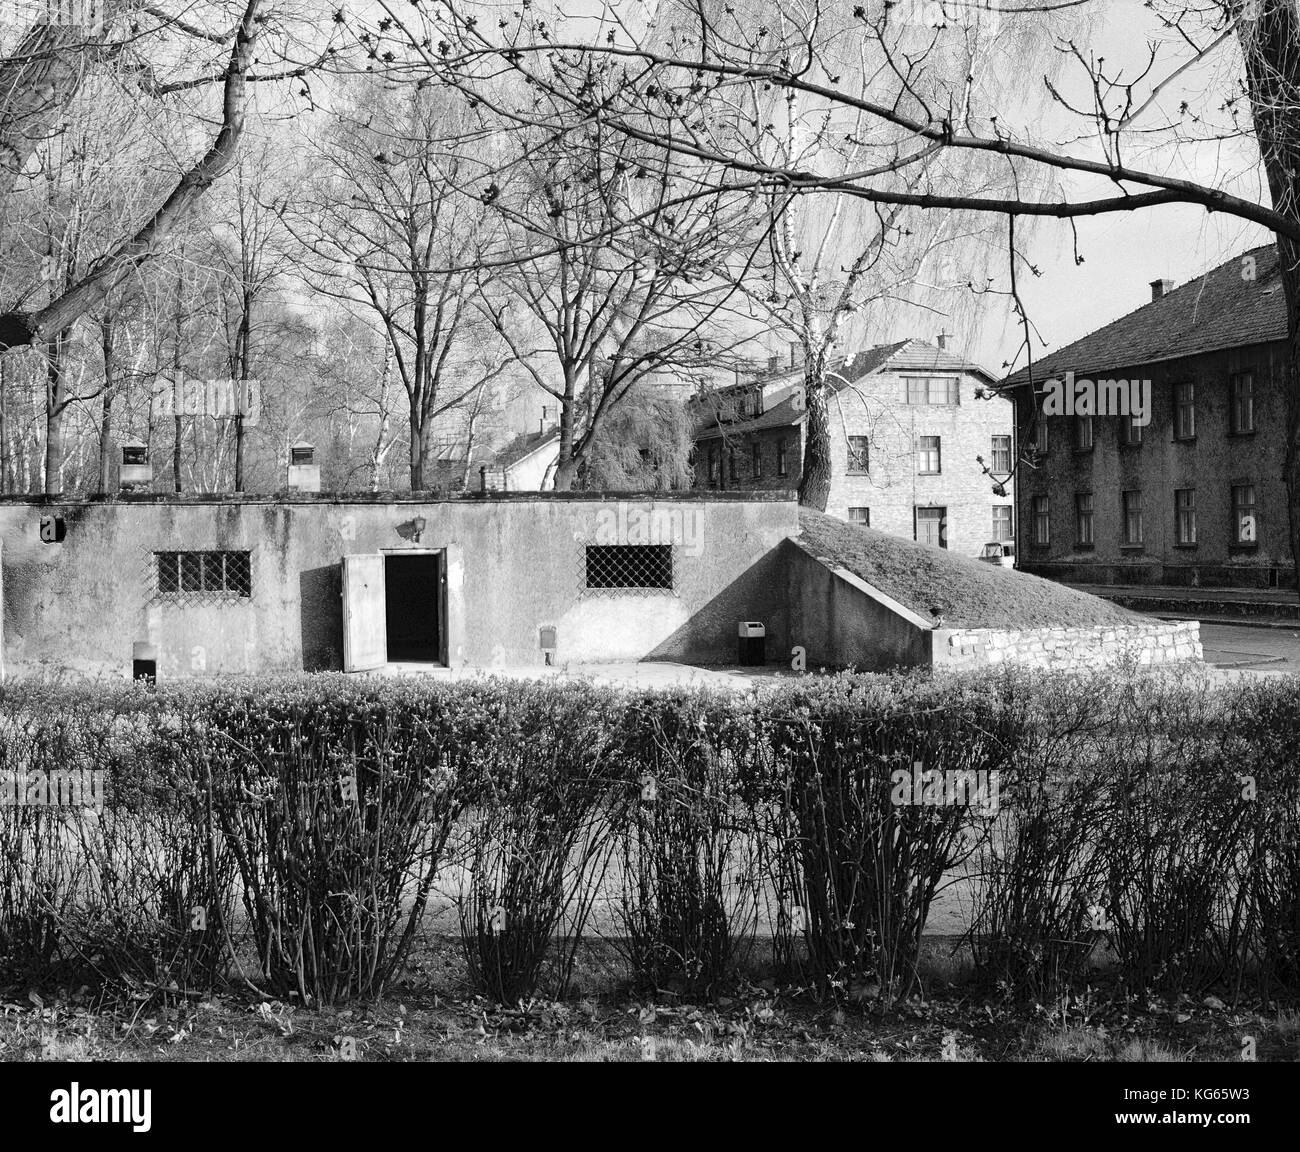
(412, 620)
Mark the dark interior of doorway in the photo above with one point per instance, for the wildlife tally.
(412, 587)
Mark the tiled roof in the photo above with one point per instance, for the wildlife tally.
(901, 356)
(783, 414)
(523, 446)
(1222, 309)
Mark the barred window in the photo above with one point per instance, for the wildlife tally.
(630, 567)
(228, 573)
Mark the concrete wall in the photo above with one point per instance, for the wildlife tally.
(515, 565)
(1069, 648)
(1210, 464)
(841, 620)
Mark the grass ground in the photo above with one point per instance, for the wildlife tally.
(968, 592)
(427, 1016)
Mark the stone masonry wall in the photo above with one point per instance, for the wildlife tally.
(1072, 648)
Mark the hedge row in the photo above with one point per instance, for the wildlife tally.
(308, 821)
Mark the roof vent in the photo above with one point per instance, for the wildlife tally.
(1160, 288)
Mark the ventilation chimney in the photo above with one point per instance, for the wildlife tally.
(135, 468)
(304, 472)
(1160, 287)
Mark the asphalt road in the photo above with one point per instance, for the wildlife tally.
(1255, 649)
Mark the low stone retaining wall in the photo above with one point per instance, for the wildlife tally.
(1159, 642)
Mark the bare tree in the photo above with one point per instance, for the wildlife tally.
(39, 82)
(613, 262)
(387, 227)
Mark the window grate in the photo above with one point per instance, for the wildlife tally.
(636, 568)
(201, 576)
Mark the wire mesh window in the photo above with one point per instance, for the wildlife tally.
(207, 574)
(629, 568)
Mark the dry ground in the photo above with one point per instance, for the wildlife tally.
(428, 1016)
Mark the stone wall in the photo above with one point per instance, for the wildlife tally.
(1155, 643)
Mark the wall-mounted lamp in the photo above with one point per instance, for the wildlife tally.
(417, 528)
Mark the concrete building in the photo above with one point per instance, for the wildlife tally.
(215, 585)
(1193, 498)
(910, 424)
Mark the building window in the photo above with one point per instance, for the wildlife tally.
(1185, 514)
(1130, 432)
(629, 567)
(1040, 436)
(733, 466)
(1242, 408)
(931, 389)
(715, 470)
(780, 458)
(1042, 521)
(184, 573)
(1082, 433)
(1132, 503)
(860, 516)
(1002, 529)
(756, 460)
(859, 454)
(932, 526)
(1002, 455)
(1083, 518)
(1184, 411)
(928, 456)
(1245, 526)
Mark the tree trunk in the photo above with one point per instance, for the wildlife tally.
(106, 416)
(1271, 46)
(245, 329)
(417, 450)
(815, 479)
(55, 403)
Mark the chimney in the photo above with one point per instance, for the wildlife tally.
(772, 362)
(796, 353)
(1160, 287)
(942, 340)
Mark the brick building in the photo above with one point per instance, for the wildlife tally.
(1196, 496)
(908, 422)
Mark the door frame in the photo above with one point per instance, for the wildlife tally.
(441, 554)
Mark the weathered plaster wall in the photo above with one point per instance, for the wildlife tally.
(515, 564)
(840, 620)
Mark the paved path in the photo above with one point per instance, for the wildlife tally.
(1253, 649)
